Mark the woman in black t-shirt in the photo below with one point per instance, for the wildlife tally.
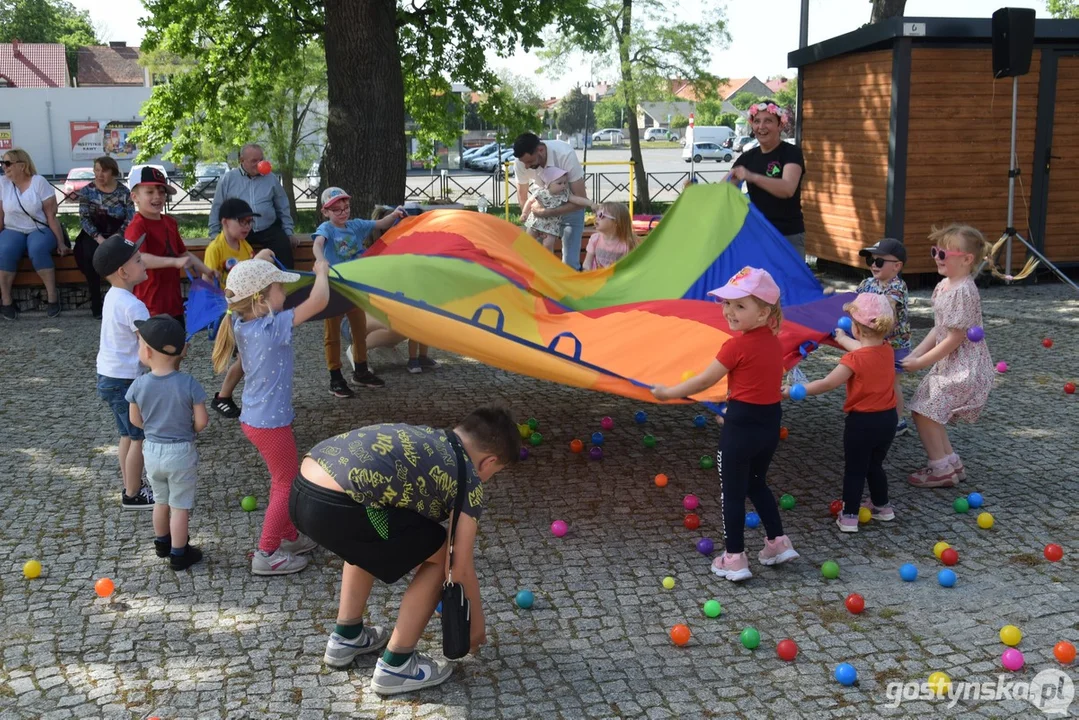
(773, 173)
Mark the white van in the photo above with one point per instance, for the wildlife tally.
(717, 134)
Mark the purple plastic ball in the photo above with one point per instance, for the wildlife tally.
(976, 334)
(524, 453)
(705, 546)
(596, 453)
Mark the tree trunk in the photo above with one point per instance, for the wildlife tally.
(365, 127)
(623, 33)
(884, 9)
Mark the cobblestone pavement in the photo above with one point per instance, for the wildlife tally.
(216, 642)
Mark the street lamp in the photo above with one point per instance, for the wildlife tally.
(590, 85)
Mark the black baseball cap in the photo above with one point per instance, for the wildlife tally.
(149, 175)
(236, 209)
(163, 333)
(887, 246)
(111, 255)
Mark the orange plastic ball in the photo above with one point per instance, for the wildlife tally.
(576, 446)
(104, 587)
(661, 480)
(264, 167)
(783, 433)
(680, 635)
(1064, 652)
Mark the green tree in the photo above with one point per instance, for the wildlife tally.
(645, 42)
(609, 113)
(48, 21)
(743, 100)
(728, 119)
(573, 112)
(679, 121)
(708, 111)
(1065, 9)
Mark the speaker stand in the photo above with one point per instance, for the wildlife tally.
(1010, 233)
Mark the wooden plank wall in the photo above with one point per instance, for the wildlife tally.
(845, 118)
(958, 146)
(1062, 209)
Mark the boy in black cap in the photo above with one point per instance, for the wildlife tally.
(120, 262)
(169, 406)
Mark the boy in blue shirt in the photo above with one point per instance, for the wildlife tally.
(344, 242)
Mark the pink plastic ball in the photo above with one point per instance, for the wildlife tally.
(1002, 367)
(607, 423)
(1012, 659)
(559, 528)
(690, 502)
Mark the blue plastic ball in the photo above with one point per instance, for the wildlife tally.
(946, 578)
(798, 392)
(844, 324)
(641, 417)
(524, 599)
(439, 609)
(230, 263)
(597, 438)
(723, 409)
(700, 421)
(908, 572)
(752, 519)
(975, 500)
(846, 674)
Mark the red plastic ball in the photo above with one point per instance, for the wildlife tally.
(855, 603)
(264, 167)
(787, 650)
(783, 433)
(576, 446)
(1064, 652)
(949, 556)
(692, 521)
(680, 635)
(835, 508)
(1047, 342)
(1069, 388)
(1053, 552)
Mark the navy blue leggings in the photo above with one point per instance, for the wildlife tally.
(750, 437)
(866, 439)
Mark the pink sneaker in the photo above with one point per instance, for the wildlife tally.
(880, 512)
(777, 552)
(734, 567)
(927, 477)
(960, 471)
(847, 523)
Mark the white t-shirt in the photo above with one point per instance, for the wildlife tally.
(118, 354)
(560, 154)
(14, 217)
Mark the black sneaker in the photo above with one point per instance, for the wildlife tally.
(52, 309)
(162, 547)
(143, 501)
(338, 386)
(182, 562)
(9, 312)
(427, 362)
(363, 376)
(225, 406)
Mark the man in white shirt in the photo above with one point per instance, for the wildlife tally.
(533, 155)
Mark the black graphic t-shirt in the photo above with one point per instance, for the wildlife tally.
(784, 213)
(412, 467)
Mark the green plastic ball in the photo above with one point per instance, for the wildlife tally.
(535, 438)
(961, 505)
(830, 569)
(650, 441)
(707, 463)
(533, 423)
(750, 638)
(249, 503)
(787, 502)
(713, 609)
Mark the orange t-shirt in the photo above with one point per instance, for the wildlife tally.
(872, 387)
(754, 361)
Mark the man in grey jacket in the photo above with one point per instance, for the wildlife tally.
(273, 227)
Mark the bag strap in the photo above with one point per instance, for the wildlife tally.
(458, 503)
(19, 200)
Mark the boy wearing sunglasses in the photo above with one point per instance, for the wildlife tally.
(885, 261)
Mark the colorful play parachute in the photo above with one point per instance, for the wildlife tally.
(479, 286)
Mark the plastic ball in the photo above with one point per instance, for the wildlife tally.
(985, 520)
(844, 323)
(946, 578)
(230, 263)
(1069, 388)
(661, 480)
(752, 519)
(940, 683)
(722, 408)
(680, 635)
(576, 446)
(835, 507)
(559, 528)
(692, 521)
(908, 572)
(687, 375)
(1047, 343)
(596, 453)
(668, 583)
(1012, 659)
(855, 603)
(249, 503)
(707, 463)
(750, 638)
(607, 423)
(524, 453)
(939, 548)
(845, 674)
(264, 167)
(976, 334)
(641, 417)
(961, 505)
(31, 569)
(975, 500)
(524, 431)
(1053, 552)
(798, 392)
(533, 424)
(535, 438)
(787, 502)
(104, 587)
(700, 421)
(597, 438)
(1002, 367)
(649, 441)
(524, 599)
(830, 569)
(787, 650)
(864, 515)
(784, 433)
(713, 609)
(705, 546)
(690, 502)
(1010, 635)
(949, 557)
(1064, 652)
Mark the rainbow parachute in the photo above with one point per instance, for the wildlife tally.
(478, 286)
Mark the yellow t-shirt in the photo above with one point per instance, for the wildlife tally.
(221, 257)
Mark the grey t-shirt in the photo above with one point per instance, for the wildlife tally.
(167, 405)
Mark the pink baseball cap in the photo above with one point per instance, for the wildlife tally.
(749, 281)
(550, 174)
(867, 307)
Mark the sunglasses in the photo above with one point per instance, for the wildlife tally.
(942, 254)
(603, 216)
(9, 163)
(877, 262)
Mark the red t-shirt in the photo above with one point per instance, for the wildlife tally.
(755, 364)
(160, 292)
(872, 386)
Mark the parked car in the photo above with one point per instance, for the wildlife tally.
(608, 135)
(486, 152)
(473, 151)
(493, 162)
(654, 133)
(710, 151)
(207, 176)
(740, 143)
(76, 180)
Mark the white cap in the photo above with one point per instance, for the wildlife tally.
(252, 276)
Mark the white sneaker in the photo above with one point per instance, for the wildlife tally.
(302, 544)
(419, 672)
(279, 563)
(340, 651)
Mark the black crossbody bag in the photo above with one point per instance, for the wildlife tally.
(456, 608)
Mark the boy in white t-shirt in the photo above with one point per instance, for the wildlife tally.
(119, 261)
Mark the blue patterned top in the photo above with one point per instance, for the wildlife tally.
(102, 213)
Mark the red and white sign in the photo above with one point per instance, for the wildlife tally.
(93, 138)
(5, 137)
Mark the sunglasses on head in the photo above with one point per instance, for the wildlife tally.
(877, 261)
(942, 254)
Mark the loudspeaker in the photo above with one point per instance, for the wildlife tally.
(1013, 41)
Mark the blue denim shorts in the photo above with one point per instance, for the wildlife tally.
(113, 391)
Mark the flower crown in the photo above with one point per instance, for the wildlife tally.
(776, 110)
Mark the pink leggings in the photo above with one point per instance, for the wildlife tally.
(277, 446)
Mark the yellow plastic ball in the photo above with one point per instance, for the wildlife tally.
(864, 515)
(687, 375)
(525, 431)
(668, 582)
(985, 521)
(1010, 635)
(940, 683)
(939, 548)
(31, 569)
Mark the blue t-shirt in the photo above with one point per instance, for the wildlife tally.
(343, 244)
(166, 403)
(265, 346)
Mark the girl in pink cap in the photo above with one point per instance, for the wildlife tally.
(869, 373)
(753, 365)
(554, 193)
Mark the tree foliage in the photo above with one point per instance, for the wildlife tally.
(743, 100)
(609, 112)
(48, 21)
(728, 119)
(574, 112)
(1064, 9)
(679, 121)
